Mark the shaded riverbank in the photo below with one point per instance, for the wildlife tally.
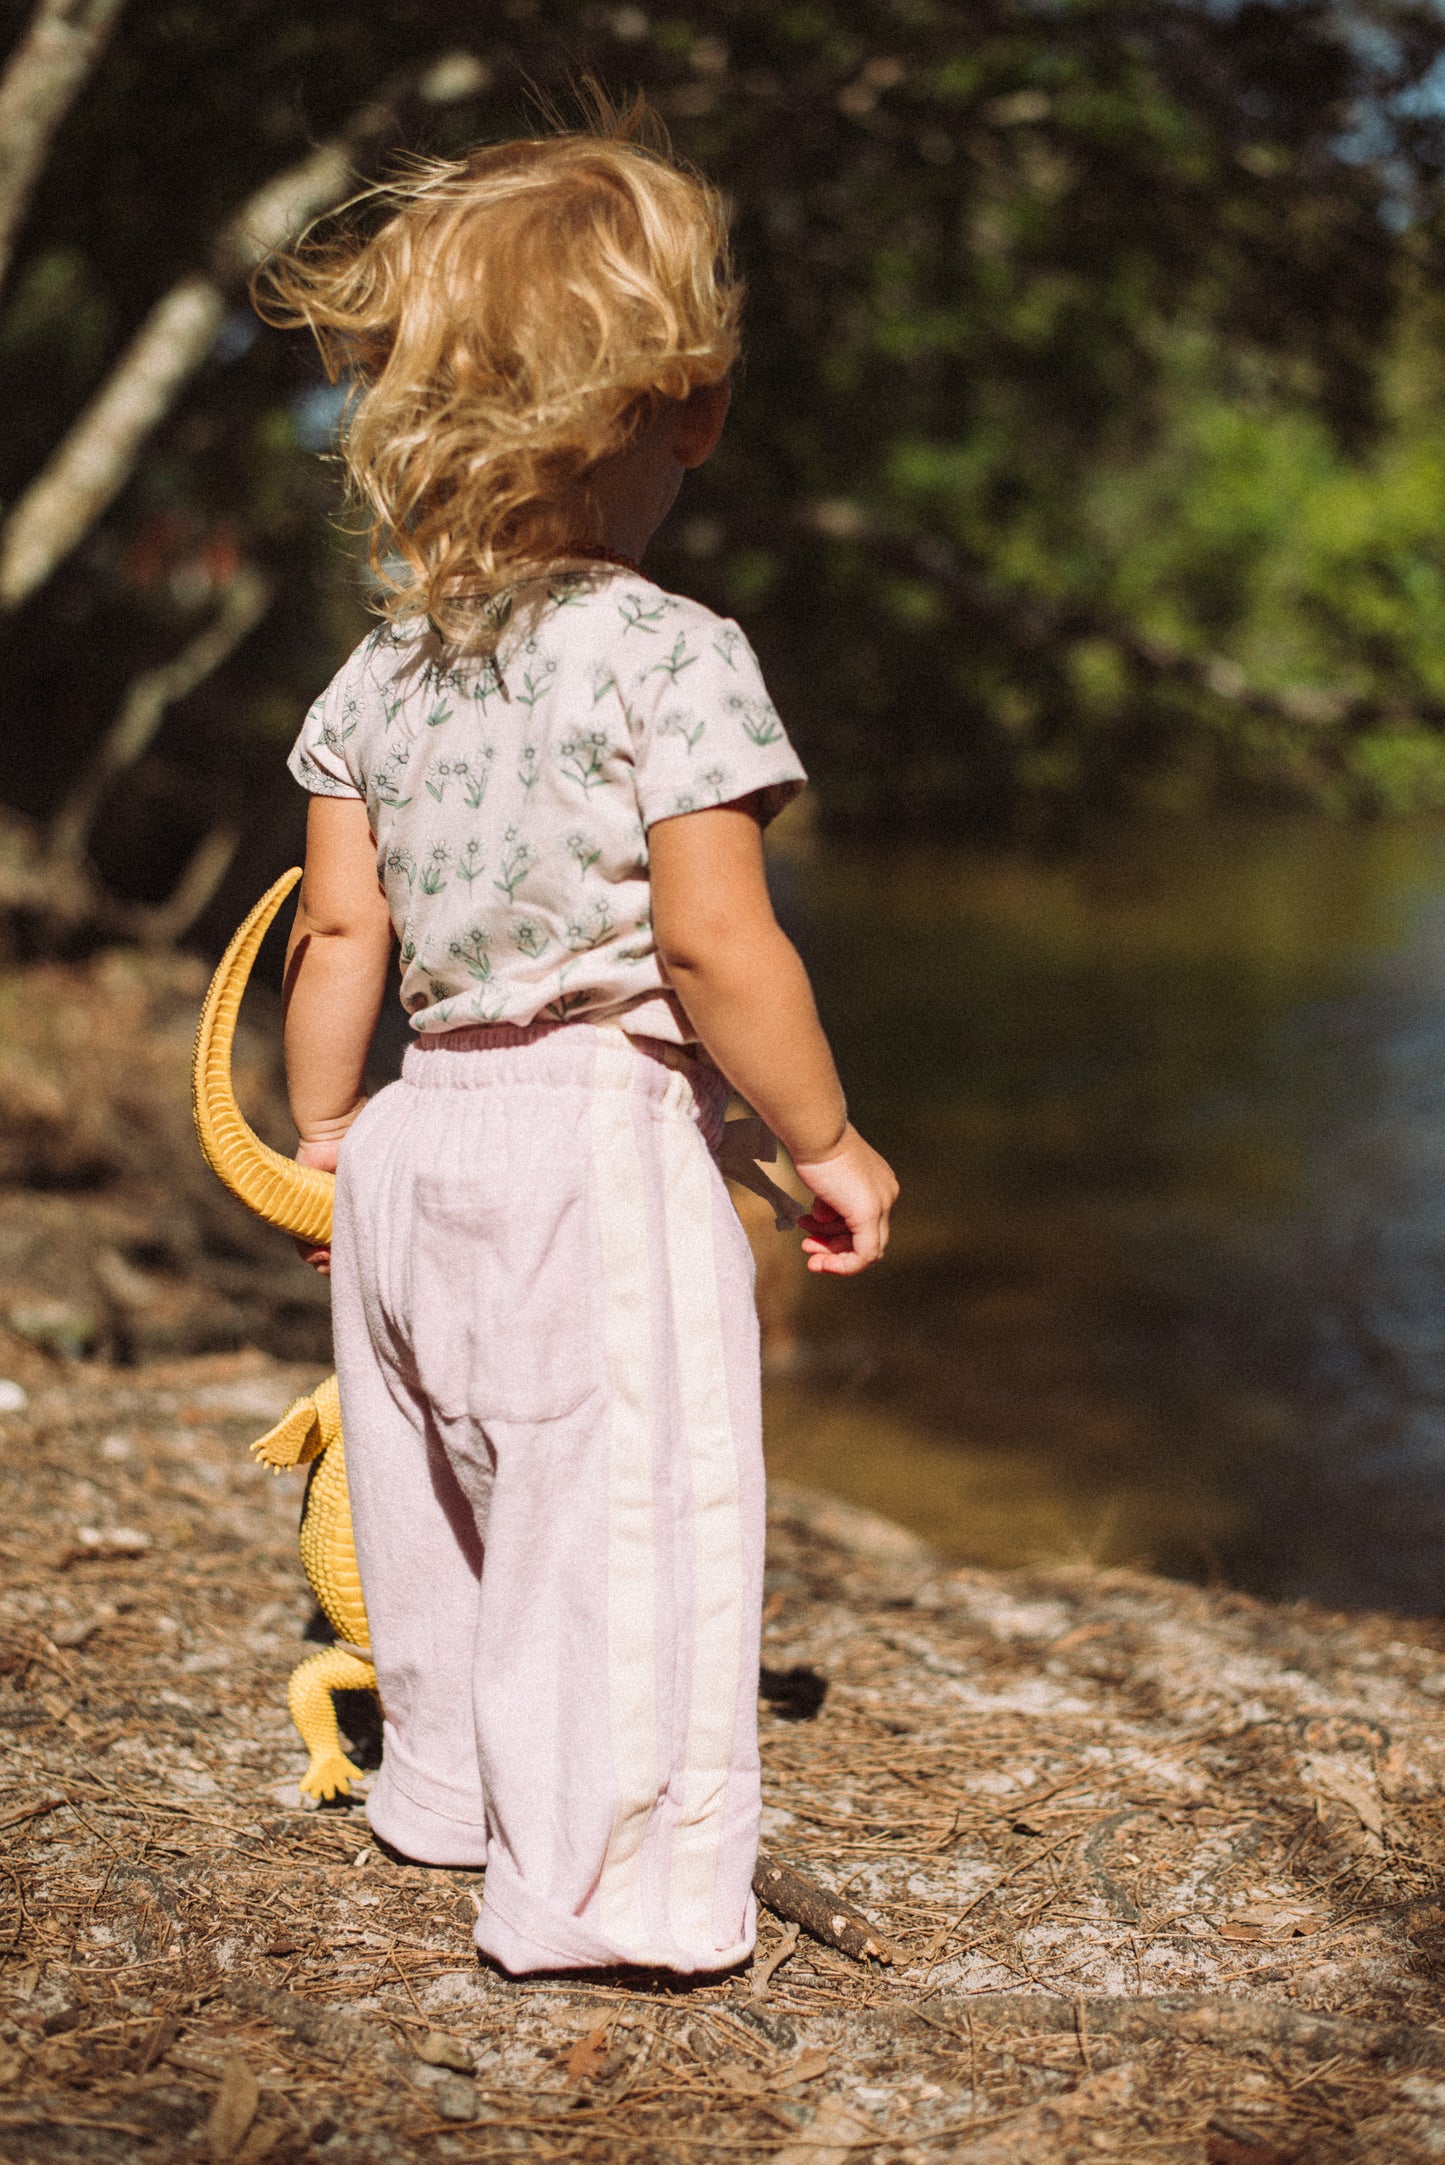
(1169, 1280)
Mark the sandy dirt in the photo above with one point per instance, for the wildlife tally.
(1159, 1866)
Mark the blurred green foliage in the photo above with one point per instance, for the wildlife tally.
(1119, 323)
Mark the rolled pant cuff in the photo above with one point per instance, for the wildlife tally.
(525, 1935)
(419, 1830)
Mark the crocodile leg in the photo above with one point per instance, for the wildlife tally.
(330, 1669)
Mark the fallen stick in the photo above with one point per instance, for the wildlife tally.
(1205, 2019)
(827, 1917)
(33, 1811)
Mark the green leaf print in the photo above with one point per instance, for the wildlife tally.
(434, 871)
(474, 778)
(581, 755)
(759, 718)
(471, 864)
(672, 665)
(529, 939)
(529, 769)
(488, 682)
(678, 723)
(536, 681)
(471, 952)
(518, 859)
(590, 931)
(402, 863)
(566, 1005)
(584, 850)
(726, 645)
(387, 781)
(440, 713)
(604, 680)
(637, 615)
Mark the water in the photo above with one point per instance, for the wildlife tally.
(1169, 1281)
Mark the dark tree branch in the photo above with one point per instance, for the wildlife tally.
(242, 606)
(90, 467)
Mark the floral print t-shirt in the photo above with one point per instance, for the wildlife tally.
(510, 796)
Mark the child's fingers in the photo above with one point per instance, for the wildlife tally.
(844, 1249)
(318, 1258)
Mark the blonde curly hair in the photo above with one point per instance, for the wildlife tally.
(518, 317)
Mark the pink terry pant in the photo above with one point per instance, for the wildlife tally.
(547, 1348)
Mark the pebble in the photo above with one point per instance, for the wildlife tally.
(455, 2099)
(438, 2049)
(14, 1398)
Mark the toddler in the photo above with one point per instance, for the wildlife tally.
(548, 779)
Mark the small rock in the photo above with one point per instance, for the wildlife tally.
(111, 1541)
(60, 1326)
(455, 2099)
(11, 2065)
(438, 2049)
(13, 1397)
(70, 1636)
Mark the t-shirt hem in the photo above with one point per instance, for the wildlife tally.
(772, 797)
(316, 781)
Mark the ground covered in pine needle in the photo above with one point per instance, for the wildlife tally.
(1160, 1868)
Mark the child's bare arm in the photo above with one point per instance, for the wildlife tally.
(335, 976)
(747, 995)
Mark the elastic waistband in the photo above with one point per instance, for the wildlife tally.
(578, 1055)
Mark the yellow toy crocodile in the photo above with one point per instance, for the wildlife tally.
(297, 1198)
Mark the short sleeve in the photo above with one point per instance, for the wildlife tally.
(319, 758)
(704, 731)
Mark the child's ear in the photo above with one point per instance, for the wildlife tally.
(699, 422)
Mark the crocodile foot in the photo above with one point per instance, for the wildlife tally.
(330, 1669)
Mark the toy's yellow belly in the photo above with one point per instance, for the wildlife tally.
(328, 1551)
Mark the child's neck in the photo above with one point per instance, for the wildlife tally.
(633, 493)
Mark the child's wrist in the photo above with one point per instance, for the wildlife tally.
(833, 1147)
(319, 1134)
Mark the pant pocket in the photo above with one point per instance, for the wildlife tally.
(502, 1320)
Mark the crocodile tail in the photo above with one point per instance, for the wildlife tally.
(297, 1198)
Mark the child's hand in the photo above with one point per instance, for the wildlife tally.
(323, 1156)
(854, 1192)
